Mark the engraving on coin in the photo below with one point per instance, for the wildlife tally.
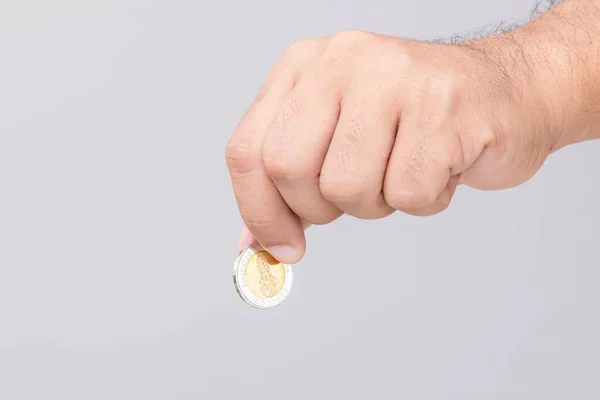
(260, 279)
(264, 275)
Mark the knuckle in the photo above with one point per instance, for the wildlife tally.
(303, 48)
(371, 209)
(277, 164)
(407, 199)
(240, 156)
(403, 53)
(442, 203)
(259, 223)
(318, 212)
(280, 166)
(445, 88)
(349, 37)
(342, 190)
(341, 47)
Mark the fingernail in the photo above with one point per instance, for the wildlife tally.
(284, 253)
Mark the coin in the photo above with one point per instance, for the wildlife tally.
(261, 280)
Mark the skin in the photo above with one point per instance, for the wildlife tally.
(366, 125)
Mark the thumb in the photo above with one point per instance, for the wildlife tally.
(247, 238)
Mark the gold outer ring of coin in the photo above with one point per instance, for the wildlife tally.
(245, 288)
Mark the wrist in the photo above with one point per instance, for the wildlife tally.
(531, 96)
(561, 52)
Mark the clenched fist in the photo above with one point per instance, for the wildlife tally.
(364, 124)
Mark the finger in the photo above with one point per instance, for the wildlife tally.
(247, 238)
(441, 203)
(262, 209)
(354, 168)
(418, 176)
(295, 148)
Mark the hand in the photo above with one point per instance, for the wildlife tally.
(365, 125)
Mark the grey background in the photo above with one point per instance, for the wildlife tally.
(118, 227)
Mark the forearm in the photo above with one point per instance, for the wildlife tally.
(558, 57)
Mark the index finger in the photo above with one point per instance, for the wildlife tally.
(263, 210)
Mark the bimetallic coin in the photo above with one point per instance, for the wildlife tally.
(261, 280)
